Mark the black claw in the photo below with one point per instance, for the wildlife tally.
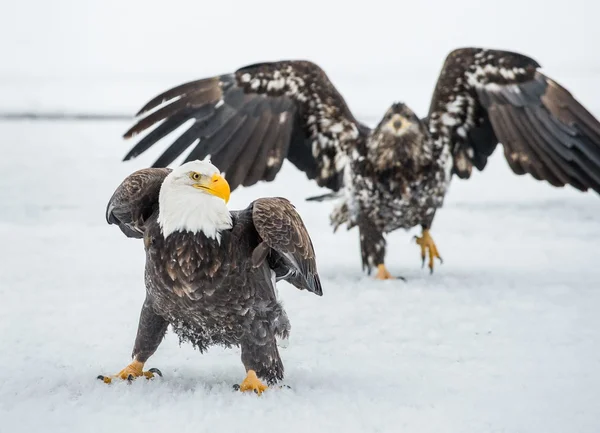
(399, 277)
(100, 378)
(236, 387)
(156, 371)
(130, 378)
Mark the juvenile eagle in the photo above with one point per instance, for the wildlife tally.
(397, 174)
(210, 272)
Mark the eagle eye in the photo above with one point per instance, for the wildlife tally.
(195, 176)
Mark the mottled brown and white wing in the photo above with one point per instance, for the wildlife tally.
(282, 230)
(135, 200)
(484, 97)
(251, 120)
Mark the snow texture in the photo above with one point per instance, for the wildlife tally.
(503, 337)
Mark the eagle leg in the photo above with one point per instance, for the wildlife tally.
(261, 359)
(132, 371)
(252, 383)
(151, 330)
(372, 250)
(428, 248)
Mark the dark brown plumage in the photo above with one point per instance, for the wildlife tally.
(251, 120)
(397, 174)
(135, 201)
(214, 287)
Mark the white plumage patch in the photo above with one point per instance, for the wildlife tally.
(448, 119)
(327, 128)
(276, 84)
(482, 74)
(184, 208)
(336, 128)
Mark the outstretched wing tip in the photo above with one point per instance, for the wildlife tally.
(544, 130)
(149, 105)
(318, 288)
(129, 134)
(142, 110)
(132, 154)
(110, 219)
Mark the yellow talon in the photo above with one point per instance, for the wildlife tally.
(428, 248)
(252, 383)
(383, 273)
(133, 370)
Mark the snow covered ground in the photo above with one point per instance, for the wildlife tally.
(502, 338)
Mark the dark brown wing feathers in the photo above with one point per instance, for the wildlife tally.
(135, 200)
(488, 96)
(262, 113)
(281, 228)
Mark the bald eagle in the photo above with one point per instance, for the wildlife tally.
(394, 175)
(210, 272)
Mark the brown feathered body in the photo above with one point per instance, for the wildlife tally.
(211, 285)
(218, 291)
(395, 179)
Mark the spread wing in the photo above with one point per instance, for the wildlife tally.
(251, 120)
(483, 97)
(135, 200)
(282, 231)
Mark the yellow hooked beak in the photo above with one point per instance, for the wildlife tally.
(216, 185)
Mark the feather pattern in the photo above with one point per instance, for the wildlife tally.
(282, 229)
(135, 201)
(307, 122)
(485, 97)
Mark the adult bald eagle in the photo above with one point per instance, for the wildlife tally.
(397, 174)
(211, 272)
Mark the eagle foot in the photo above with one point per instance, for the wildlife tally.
(251, 383)
(428, 248)
(131, 372)
(384, 274)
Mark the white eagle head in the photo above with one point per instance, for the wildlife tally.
(193, 198)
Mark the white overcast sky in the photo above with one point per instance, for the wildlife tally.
(171, 41)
